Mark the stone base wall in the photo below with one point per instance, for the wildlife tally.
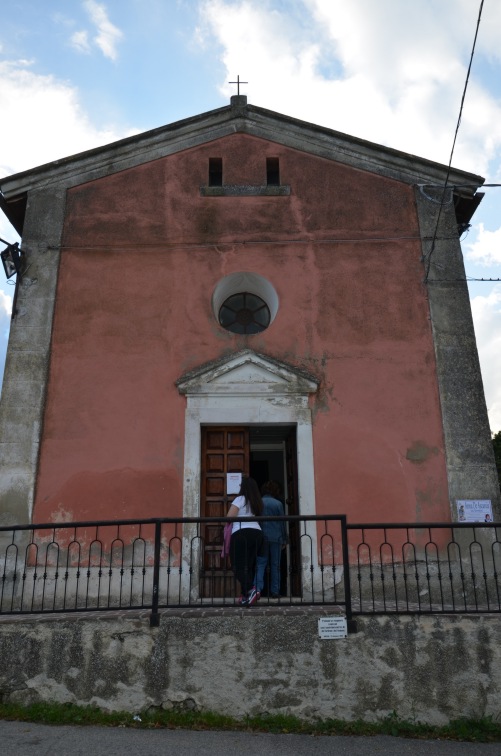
(429, 668)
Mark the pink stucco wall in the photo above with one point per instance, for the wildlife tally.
(142, 254)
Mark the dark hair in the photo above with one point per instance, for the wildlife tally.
(249, 489)
(272, 488)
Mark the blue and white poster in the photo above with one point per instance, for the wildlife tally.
(474, 510)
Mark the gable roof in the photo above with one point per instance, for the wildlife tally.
(238, 117)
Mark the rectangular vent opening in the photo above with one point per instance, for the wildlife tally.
(272, 172)
(215, 171)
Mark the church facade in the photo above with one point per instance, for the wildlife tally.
(242, 292)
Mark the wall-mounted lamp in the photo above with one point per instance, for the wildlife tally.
(11, 258)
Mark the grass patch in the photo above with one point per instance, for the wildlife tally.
(473, 730)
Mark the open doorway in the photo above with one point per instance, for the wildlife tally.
(265, 452)
(273, 456)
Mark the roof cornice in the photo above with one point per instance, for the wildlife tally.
(236, 118)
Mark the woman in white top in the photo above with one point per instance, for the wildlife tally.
(246, 538)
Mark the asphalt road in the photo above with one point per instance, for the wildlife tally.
(25, 739)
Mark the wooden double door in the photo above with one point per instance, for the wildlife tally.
(228, 449)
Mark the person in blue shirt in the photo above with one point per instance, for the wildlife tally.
(275, 534)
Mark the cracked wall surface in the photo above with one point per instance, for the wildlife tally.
(429, 668)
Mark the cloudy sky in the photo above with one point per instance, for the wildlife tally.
(75, 74)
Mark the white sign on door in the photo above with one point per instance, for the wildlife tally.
(233, 483)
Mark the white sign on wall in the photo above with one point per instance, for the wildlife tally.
(474, 510)
(332, 627)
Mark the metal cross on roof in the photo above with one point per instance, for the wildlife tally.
(238, 82)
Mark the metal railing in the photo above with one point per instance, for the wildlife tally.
(164, 563)
(425, 568)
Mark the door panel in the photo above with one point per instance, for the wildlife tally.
(225, 449)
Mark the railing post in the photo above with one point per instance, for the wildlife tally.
(154, 616)
(351, 623)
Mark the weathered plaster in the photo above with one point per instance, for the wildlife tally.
(28, 356)
(252, 662)
(112, 401)
(469, 454)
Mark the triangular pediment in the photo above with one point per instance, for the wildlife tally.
(247, 372)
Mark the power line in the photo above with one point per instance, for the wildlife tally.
(454, 143)
(248, 243)
(460, 186)
(467, 279)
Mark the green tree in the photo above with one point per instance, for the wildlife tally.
(496, 442)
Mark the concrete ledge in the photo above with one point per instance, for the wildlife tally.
(245, 191)
(165, 614)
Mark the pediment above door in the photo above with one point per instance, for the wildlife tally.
(246, 373)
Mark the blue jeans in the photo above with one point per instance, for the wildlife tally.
(272, 551)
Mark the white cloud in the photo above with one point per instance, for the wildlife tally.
(382, 71)
(80, 41)
(8, 233)
(5, 308)
(5, 311)
(108, 35)
(487, 318)
(65, 128)
(5, 304)
(486, 249)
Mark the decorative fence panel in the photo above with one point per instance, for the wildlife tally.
(425, 568)
(159, 564)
